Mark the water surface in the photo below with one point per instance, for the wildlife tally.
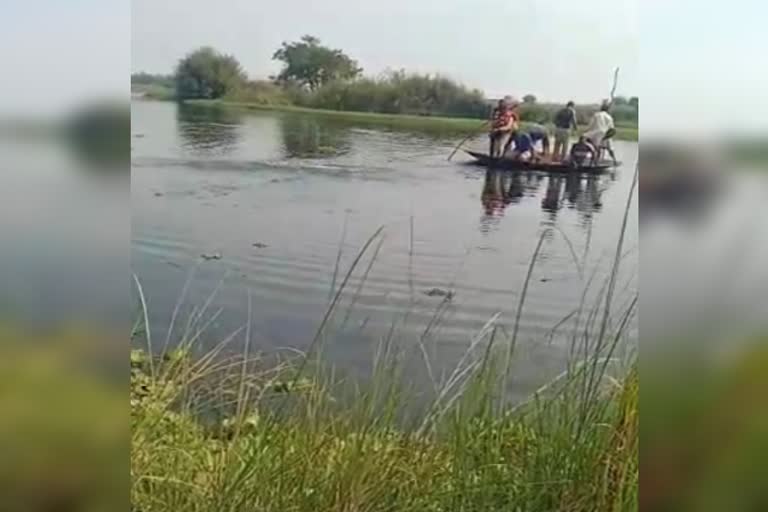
(258, 207)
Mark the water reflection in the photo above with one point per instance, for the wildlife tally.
(307, 137)
(494, 200)
(516, 189)
(207, 131)
(99, 137)
(575, 192)
(551, 201)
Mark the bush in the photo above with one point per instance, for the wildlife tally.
(208, 74)
(150, 79)
(544, 113)
(261, 92)
(400, 93)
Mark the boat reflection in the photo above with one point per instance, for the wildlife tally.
(555, 191)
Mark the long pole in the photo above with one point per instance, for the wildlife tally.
(615, 84)
(465, 139)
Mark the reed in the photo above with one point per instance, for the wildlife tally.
(246, 433)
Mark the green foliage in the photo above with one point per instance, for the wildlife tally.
(537, 113)
(315, 77)
(319, 453)
(318, 77)
(206, 73)
(143, 78)
(63, 430)
(312, 65)
(399, 92)
(259, 92)
(620, 101)
(624, 114)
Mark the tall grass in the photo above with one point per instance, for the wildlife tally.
(214, 433)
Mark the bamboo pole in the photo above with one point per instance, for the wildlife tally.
(615, 84)
(465, 139)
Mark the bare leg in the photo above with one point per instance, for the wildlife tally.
(557, 151)
(496, 142)
(507, 144)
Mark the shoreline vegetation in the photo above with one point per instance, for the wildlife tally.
(207, 436)
(323, 81)
(459, 125)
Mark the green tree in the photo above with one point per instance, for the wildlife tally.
(529, 98)
(206, 73)
(398, 92)
(620, 101)
(635, 102)
(312, 65)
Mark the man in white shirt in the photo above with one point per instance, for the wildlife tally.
(600, 131)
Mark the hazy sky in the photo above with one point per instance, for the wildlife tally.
(57, 54)
(704, 67)
(556, 49)
(703, 61)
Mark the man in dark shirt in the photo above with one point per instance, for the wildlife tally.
(565, 121)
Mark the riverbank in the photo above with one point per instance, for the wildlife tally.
(452, 124)
(272, 441)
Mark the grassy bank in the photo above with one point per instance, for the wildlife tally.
(452, 124)
(273, 445)
(241, 434)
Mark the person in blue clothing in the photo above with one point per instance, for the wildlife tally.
(525, 142)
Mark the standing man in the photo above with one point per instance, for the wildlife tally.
(600, 131)
(565, 121)
(503, 123)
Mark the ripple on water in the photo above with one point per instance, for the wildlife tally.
(473, 235)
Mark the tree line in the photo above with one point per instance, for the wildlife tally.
(317, 76)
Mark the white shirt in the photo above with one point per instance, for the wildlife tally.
(599, 125)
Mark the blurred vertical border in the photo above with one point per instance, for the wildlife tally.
(704, 245)
(64, 269)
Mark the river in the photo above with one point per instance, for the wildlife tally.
(231, 208)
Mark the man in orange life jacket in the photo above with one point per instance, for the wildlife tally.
(504, 121)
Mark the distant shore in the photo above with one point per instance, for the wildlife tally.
(459, 124)
(454, 124)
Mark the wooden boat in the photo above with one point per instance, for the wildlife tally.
(517, 165)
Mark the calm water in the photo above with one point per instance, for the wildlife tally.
(278, 197)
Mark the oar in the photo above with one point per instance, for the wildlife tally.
(473, 134)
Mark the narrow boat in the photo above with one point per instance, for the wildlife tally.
(517, 165)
